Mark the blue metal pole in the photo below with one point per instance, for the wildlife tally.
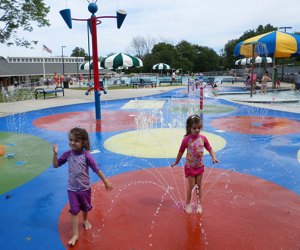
(97, 104)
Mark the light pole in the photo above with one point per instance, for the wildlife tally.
(77, 66)
(282, 70)
(93, 21)
(63, 61)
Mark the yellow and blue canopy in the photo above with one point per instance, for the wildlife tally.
(275, 43)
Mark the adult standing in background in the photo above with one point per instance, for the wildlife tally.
(61, 79)
(173, 77)
(297, 81)
(56, 79)
(276, 80)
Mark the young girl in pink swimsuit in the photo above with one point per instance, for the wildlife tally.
(195, 143)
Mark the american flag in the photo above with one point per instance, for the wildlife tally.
(47, 49)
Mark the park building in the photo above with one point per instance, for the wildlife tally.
(31, 70)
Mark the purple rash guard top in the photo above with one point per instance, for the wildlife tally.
(79, 164)
(195, 145)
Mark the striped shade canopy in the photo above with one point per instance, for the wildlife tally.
(161, 66)
(276, 44)
(258, 60)
(241, 61)
(86, 66)
(121, 60)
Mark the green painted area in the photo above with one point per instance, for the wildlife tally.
(32, 156)
(208, 109)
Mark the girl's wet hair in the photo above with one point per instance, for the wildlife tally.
(191, 120)
(81, 134)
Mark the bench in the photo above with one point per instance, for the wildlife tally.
(134, 81)
(177, 81)
(170, 81)
(49, 91)
(228, 79)
(143, 82)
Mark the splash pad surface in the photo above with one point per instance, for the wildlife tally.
(27, 152)
(145, 213)
(253, 193)
(137, 143)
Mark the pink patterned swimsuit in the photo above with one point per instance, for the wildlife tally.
(195, 145)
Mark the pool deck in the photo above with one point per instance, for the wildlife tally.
(264, 101)
(73, 96)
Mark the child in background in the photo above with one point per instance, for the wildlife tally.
(79, 190)
(264, 82)
(195, 143)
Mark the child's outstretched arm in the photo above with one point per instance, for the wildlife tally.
(55, 151)
(213, 156)
(178, 158)
(106, 182)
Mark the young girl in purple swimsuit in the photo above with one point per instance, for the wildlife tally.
(195, 143)
(79, 191)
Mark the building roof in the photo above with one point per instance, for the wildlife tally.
(30, 66)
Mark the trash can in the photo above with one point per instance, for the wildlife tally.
(66, 84)
(102, 84)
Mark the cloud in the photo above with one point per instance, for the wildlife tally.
(207, 23)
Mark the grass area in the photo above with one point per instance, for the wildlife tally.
(17, 95)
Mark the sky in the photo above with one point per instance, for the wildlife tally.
(209, 23)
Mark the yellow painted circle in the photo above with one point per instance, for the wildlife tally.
(155, 143)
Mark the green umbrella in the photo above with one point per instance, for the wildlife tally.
(121, 60)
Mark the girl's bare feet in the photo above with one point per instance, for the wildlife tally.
(73, 240)
(87, 225)
(199, 209)
(188, 208)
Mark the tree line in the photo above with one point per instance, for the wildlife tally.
(187, 57)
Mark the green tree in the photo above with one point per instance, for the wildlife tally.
(21, 15)
(163, 53)
(228, 55)
(186, 55)
(79, 52)
(206, 59)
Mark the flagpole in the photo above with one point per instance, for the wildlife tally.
(43, 65)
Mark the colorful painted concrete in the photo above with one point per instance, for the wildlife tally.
(251, 199)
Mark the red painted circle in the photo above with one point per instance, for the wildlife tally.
(111, 121)
(239, 212)
(257, 125)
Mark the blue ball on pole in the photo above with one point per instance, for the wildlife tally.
(93, 8)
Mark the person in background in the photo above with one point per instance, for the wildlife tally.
(276, 79)
(61, 80)
(264, 82)
(173, 77)
(47, 82)
(297, 81)
(56, 80)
